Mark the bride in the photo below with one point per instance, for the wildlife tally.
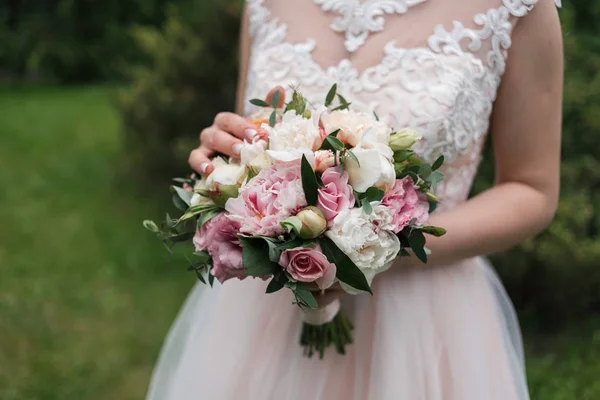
(454, 70)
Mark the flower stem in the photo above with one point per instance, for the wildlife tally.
(317, 338)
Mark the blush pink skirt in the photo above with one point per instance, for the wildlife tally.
(446, 333)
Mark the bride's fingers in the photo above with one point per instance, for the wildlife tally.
(234, 124)
(220, 141)
(281, 100)
(200, 162)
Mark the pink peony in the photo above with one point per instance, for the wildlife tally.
(336, 196)
(307, 264)
(273, 195)
(219, 237)
(406, 204)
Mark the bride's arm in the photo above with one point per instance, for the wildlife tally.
(525, 133)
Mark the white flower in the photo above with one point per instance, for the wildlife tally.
(372, 169)
(284, 156)
(292, 133)
(367, 239)
(226, 174)
(198, 199)
(359, 129)
(254, 154)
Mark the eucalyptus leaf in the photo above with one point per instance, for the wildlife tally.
(202, 257)
(309, 182)
(259, 103)
(366, 206)
(346, 270)
(181, 237)
(425, 171)
(180, 204)
(183, 194)
(151, 226)
(272, 118)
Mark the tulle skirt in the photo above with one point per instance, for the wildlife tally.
(437, 333)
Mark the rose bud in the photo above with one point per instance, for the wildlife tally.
(403, 140)
(222, 193)
(432, 197)
(313, 222)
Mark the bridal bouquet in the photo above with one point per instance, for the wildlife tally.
(323, 196)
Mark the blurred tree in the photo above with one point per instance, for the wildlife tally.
(191, 76)
(72, 41)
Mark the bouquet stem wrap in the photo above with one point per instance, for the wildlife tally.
(321, 315)
(325, 326)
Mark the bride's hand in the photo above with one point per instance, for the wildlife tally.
(225, 136)
(328, 296)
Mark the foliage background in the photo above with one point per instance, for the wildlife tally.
(100, 105)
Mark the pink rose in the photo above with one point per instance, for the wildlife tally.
(307, 264)
(219, 237)
(336, 196)
(273, 195)
(407, 203)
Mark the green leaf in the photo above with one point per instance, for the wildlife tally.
(366, 206)
(202, 257)
(255, 256)
(305, 296)
(331, 142)
(151, 226)
(432, 206)
(259, 103)
(374, 194)
(346, 270)
(277, 283)
(425, 171)
(272, 119)
(180, 204)
(275, 99)
(433, 230)
(438, 163)
(353, 157)
(207, 216)
(199, 209)
(199, 275)
(309, 182)
(211, 279)
(183, 194)
(181, 237)
(183, 180)
(330, 95)
(376, 116)
(416, 241)
(292, 224)
(402, 155)
(435, 178)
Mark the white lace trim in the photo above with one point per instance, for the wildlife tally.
(357, 20)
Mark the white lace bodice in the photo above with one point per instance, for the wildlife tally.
(439, 69)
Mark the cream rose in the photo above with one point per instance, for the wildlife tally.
(372, 169)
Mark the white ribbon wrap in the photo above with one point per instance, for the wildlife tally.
(321, 315)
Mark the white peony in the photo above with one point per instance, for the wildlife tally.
(367, 239)
(254, 154)
(372, 169)
(292, 133)
(226, 174)
(359, 129)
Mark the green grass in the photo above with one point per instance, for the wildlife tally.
(86, 295)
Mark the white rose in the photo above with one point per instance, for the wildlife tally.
(254, 154)
(225, 174)
(372, 169)
(367, 239)
(293, 132)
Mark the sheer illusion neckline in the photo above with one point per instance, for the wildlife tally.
(358, 19)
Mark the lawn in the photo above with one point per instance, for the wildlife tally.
(86, 295)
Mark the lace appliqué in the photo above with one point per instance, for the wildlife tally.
(445, 89)
(358, 20)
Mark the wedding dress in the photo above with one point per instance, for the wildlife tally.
(445, 333)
